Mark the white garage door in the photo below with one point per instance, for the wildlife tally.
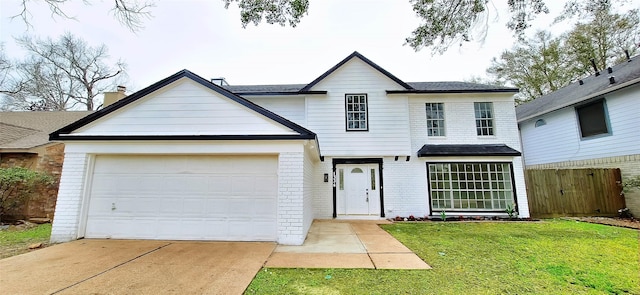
(184, 198)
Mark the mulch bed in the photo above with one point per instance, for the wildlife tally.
(614, 221)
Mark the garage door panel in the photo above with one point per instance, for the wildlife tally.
(184, 198)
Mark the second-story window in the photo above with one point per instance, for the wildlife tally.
(435, 119)
(484, 118)
(356, 111)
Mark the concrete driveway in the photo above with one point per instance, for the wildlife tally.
(135, 267)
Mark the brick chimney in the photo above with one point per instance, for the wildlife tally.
(111, 97)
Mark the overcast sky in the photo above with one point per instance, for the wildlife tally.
(205, 38)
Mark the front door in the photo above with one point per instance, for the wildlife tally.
(358, 189)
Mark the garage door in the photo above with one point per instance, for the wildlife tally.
(183, 198)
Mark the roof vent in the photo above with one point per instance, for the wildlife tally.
(626, 52)
(609, 70)
(595, 68)
(612, 79)
(580, 82)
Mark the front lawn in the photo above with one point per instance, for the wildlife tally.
(550, 257)
(17, 241)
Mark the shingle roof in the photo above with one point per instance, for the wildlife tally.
(418, 87)
(25, 130)
(435, 150)
(625, 74)
(411, 87)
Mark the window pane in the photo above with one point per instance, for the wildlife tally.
(373, 179)
(356, 111)
(592, 119)
(484, 118)
(435, 119)
(487, 186)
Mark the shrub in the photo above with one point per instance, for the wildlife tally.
(16, 186)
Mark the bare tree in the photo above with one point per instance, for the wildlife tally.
(130, 13)
(62, 74)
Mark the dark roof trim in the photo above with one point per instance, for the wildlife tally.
(278, 93)
(185, 137)
(435, 150)
(366, 60)
(164, 82)
(504, 90)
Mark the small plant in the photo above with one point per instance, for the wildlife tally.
(398, 218)
(443, 215)
(412, 218)
(511, 211)
(461, 217)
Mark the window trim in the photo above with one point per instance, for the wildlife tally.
(605, 110)
(346, 112)
(513, 187)
(443, 120)
(492, 119)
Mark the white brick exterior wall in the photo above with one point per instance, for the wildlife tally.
(323, 191)
(69, 205)
(292, 229)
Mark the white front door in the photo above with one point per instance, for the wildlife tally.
(358, 189)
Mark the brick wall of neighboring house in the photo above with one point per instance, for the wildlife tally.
(629, 167)
(43, 202)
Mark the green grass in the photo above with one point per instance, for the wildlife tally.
(14, 242)
(551, 257)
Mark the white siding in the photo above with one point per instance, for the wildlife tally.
(559, 140)
(184, 108)
(290, 107)
(388, 116)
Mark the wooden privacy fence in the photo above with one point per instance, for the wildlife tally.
(574, 192)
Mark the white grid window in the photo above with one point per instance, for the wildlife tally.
(484, 118)
(356, 110)
(435, 119)
(470, 186)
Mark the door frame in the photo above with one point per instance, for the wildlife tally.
(358, 161)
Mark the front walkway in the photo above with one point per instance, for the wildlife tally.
(346, 244)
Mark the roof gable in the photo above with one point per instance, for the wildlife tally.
(624, 74)
(364, 59)
(170, 98)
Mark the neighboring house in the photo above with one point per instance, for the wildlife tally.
(592, 123)
(24, 142)
(187, 159)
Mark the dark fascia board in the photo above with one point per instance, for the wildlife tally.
(366, 60)
(279, 93)
(57, 135)
(464, 150)
(512, 90)
(185, 137)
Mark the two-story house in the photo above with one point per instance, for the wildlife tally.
(188, 159)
